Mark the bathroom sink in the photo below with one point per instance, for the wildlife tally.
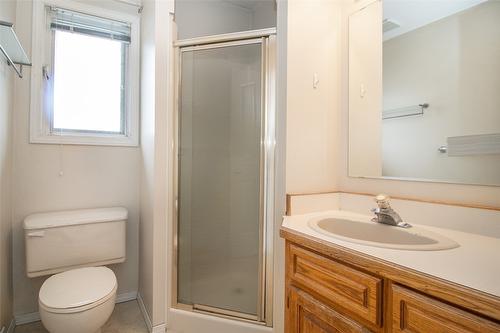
(381, 235)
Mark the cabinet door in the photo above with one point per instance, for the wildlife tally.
(350, 291)
(305, 314)
(416, 313)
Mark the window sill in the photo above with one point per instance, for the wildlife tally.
(89, 140)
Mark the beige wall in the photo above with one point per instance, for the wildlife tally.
(452, 64)
(93, 176)
(487, 195)
(7, 13)
(312, 126)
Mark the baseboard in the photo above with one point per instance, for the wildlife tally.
(144, 312)
(125, 297)
(9, 329)
(12, 326)
(162, 328)
(26, 318)
(35, 316)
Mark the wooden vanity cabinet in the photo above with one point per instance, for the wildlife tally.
(332, 290)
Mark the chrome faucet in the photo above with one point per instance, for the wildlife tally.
(387, 215)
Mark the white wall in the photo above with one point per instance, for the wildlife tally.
(197, 18)
(365, 92)
(93, 177)
(7, 13)
(264, 14)
(147, 153)
(205, 18)
(453, 65)
(312, 126)
(164, 136)
(156, 135)
(486, 195)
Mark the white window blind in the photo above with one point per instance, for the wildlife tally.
(66, 20)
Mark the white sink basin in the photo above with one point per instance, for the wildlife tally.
(381, 235)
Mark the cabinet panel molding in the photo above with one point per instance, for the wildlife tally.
(417, 313)
(354, 291)
(309, 315)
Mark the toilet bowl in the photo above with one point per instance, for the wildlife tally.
(78, 300)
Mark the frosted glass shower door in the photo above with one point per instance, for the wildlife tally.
(220, 180)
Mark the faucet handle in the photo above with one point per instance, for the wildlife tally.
(382, 201)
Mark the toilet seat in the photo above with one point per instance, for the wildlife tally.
(77, 290)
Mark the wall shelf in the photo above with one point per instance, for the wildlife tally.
(12, 49)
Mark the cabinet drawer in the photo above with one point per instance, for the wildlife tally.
(356, 292)
(416, 313)
(308, 315)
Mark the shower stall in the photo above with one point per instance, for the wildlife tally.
(225, 168)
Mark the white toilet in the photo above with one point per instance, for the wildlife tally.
(75, 244)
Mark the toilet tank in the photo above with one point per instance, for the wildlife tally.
(59, 241)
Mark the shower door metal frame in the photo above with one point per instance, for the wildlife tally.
(267, 39)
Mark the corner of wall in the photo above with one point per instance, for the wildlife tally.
(7, 77)
(148, 56)
(312, 109)
(145, 313)
(156, 135)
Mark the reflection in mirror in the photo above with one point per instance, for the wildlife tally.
(440, 114)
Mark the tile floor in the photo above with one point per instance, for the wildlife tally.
(126, 318)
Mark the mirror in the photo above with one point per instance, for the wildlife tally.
(424, 91)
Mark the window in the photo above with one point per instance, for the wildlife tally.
(86, 88)
(74, 78)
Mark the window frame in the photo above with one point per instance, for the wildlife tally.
(41, 111)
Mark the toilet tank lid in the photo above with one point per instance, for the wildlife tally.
(74, 217)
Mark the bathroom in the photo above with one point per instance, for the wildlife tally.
(220, 174)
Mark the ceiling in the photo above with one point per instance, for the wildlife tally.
(413, 14)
